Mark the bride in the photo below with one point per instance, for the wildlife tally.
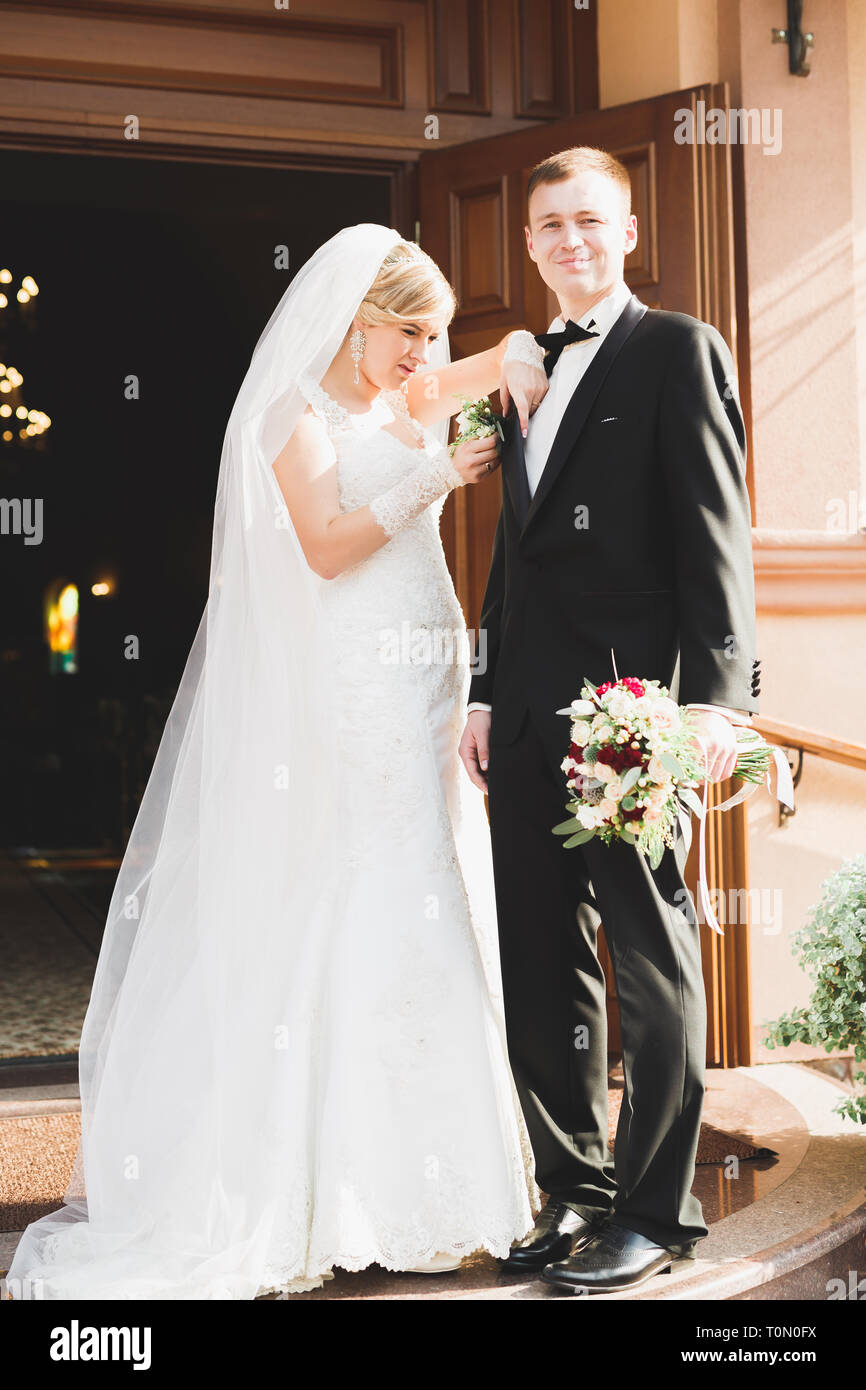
(294, 1053)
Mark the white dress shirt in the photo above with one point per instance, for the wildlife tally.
(565, 377)
(543, 425)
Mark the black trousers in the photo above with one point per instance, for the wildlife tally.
(550, 902)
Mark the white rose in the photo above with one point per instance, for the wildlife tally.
(665, 714)
(606, 808)
(657, 770)
(614, 789)
(581, 733)
(583, 707)
(587, 817)
(604, 772)
(618, 703)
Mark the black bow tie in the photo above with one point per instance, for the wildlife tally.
(555, 342)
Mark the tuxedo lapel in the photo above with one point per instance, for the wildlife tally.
(576, 412)
(514, 465)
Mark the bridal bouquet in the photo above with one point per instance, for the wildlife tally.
(476, 420)
(633, 765)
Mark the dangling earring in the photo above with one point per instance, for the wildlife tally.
(357, 343)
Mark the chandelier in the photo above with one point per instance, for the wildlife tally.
(18, 422)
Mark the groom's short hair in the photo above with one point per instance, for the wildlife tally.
(578, 160)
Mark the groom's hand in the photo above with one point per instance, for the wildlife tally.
(474, 746)
(524, 385)
(720, 742)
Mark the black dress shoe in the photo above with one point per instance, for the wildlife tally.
(558, 1231)
(615, 1261)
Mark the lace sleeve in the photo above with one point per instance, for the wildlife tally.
(332, 415)
(522, 347)
(407, 499)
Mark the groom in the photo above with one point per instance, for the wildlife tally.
(625, 524)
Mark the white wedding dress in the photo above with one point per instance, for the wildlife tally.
(419, 1142)
(294, 1054)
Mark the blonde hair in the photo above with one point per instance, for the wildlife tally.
(578, 160)
(408, 285)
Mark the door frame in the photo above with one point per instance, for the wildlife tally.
(402, 174)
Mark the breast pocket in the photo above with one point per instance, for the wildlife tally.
(609, 421)
(610, 437)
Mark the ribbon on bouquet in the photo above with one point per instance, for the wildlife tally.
(784, 793)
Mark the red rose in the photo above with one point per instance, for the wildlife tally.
(634, 685)
(630, 682)
(620, 756)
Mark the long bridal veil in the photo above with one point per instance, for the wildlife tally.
(193, 1067)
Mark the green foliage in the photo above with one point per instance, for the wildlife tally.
(831, 946)
(476, 420)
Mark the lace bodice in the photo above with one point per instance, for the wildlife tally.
(398, 636)
(365, 472)
(406, 583)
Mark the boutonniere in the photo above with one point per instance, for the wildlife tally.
(476, 420)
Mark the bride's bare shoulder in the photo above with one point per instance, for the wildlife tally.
(308, 444)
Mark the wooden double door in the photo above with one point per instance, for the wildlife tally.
(472, 206)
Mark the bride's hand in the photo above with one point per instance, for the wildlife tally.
(475, 458)
(524, 386)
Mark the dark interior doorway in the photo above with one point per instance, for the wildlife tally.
(165, 271)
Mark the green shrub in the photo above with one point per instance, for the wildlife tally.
(832, 949)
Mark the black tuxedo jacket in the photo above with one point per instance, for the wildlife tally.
(638, 536)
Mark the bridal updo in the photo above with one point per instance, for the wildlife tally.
(408, 285)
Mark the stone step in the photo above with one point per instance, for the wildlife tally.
(781, 1230)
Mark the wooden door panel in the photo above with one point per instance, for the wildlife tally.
(480, 249)
(642, 264)
(681, 196)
